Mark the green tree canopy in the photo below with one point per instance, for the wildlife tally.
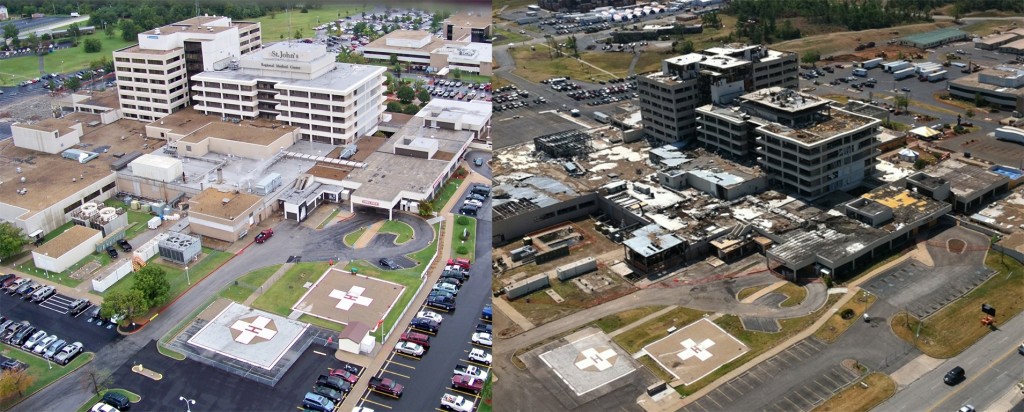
(10, 31)
(406, 94)
(92, 45)
(129, 303)
(11, 240)
(423, 95)
(152, 282)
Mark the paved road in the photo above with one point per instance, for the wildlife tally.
(993, 367)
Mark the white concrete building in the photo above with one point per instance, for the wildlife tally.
(669, 98)
(153, 76)
(421, 48)
(297, 84)
(48, 136)
(63, 251)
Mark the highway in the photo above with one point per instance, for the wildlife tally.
(993, 368)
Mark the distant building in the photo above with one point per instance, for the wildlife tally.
(3, 13)
(581, 5)
(934, 38)
(1001, 86)
(225, 216)
(48, 135)
(63, 251)
(669, 98)
(468, 26)
(423, 49)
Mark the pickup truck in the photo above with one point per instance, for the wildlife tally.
(386, 386)
(264, 235)
(468, 384)
(456, 403)
(470, 371)
(478, 355)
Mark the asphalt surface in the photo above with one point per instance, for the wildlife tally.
(427, 379)
(51, 316)
(993, 368)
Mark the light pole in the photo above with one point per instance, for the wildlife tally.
(187, 278)
(188, 403)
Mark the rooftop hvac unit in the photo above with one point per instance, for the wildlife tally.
(89, 209)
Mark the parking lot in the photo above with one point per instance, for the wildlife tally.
(428, 378)
(52, 316)
(807, 394)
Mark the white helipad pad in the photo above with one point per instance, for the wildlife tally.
(588, 363)
(695, 350)
(353, 297)
(250, 335)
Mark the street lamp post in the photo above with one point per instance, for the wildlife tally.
(187, 278)
(188, 403)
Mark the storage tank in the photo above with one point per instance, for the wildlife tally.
(135, 205)
(145, 208)
(89, 209)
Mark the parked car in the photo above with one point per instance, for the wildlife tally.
(388, 263)
(41, 346)
(409, 348)
(26, 287)
(43, 293)
(102, 407)
(334, 382)
(417, 338)
(484, 327)
(264, 235)
(116, 400)
(386, 386)
(36, 337)
(468, 384)
(54, 348)
(456, 403)
(12, 364)
(345, 375)
(424, 324)
(6, 279)
(482, 338)
(78, 306)
(68, 353)
(112, 252)
(447, 287)
(330, 393)
(434, 316)
(125, 246)
(480, 356)
(442, 303)
(954, 376)
(14, 286)
(317, 402)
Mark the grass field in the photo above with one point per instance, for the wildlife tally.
(836, 325)
(136, 220)
(614, 322)
(846, 41)
(635, 339)
(538, 65)
(794, 294)
(655, 368)
(445, 194)
(288, 290)
(27, 67)
(353, 236)
(176, 275)
(323, 323)
(43, 373)
(284, 24)
(132, 397)
(856, 398)
(398, 228)
(469, 242)
(508, 36)
(486, 394)
(957, 326)
(243, 287)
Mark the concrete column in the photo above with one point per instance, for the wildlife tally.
(391, 214)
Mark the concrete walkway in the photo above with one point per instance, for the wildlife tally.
(368, 235)
(764, 291)
(444, 247)
(513, 314)
(268, 283)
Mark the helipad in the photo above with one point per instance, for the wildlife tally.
(696, 350)
(588, 363)
(249, 335)
(344, 297)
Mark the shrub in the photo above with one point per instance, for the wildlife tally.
(847, 314)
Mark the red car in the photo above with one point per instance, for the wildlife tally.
(344, 374)
(471, 385)
(462, 262)
(264, 235)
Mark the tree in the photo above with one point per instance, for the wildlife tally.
(32, 41)
(406, 94)
(15, 382)
(152, 282)
(969, 113)
(411, 109)
(811, 56)
(129, 30)
(73, 83)
(10, 31)
(920, 164)
(423, 95)
(74, 31)
(92, 45)
(686, 47)
(425, 208)
(571, 44)
(109, 31)
(298, 34)
(979, 101)
(393, 61)
(128, 303)
(11, 240)
(394, 107)
(901, 101)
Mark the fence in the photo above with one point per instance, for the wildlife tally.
(101, 283)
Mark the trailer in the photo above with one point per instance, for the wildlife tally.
(860, 72)
(903, 74)
(893, 67)
(871, 64)
(937, 76)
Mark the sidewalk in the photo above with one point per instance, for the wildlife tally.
(433, 273)
(368, 235)
(513, 314)
(641, 321)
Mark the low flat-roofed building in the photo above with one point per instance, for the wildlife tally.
(104, 103)
(934, 38)
(1014, 47)
(970, 186)
(994, 41)
(53, 185)
(225, 216)
(194, 134)
(48, 135)
(63, 251)
(1001, 86)
(652, 249)
(472, 26)
(421, 48)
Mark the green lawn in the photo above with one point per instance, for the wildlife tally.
(399, 228)
(137, 221)
(469, 243)
(288, 290)
(614, 322)
(470, 77)
(353, 236)
(74, 59)
(635, 339)
(508, 36)
(244, 286)
(43, 372)
(410, 278)
(323, 323)
(329, 218)
(276, 25)
(449, 190)
(486, 395)
(176, 275)
(132, 397)
(64, 277)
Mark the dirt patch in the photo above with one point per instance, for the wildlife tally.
(835, 42)
(86, 270)
(956, 246)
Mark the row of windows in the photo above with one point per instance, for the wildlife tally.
(145, 61)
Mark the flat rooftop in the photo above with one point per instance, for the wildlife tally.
(139, 50)
(62, 125)
(787, 100)
(907, 206)
(966, 180)
(837, 122)
(64, 242)
(211, 202)
(51, 178)
(198, 24)
(973, 81)
(107, 98)
(253, 132)
(382, 42)
(1016, 44)
(342, 79)
(998, 38)
(470, 19)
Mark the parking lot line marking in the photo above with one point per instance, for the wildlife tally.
(319, 353)
(754, 375)
(466, 393)
(823, 387)
(722, 392)
(831, 380)
(701, 405)
(390, 361)
(482, 365)
(154, 316)
(406, 356)
(376, 403)
(712, 399)
(792, 403)
(480, 346)
(395, 373)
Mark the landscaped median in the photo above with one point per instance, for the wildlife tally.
(280, 297)
(401, 230)
(840, 321)
(37, 376)
(464, 246)
(957, 326)
(861, 396)
(132, 397)
(245, 286)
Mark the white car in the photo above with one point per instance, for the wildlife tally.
(482, 338)
(456, 403)
(409, 348)
(41, 346)
(480, 356)
(474, 202)
(429, 314)
(102, 407)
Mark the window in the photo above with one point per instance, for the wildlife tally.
(188, 148)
